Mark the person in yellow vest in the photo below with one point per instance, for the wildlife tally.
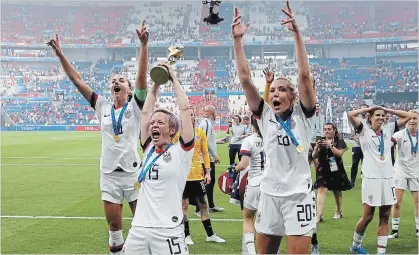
(195, 185)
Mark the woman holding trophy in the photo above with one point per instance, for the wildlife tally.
(157, 227)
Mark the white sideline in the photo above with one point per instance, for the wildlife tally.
(92, 218)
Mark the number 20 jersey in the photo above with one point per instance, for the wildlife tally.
(287, 171)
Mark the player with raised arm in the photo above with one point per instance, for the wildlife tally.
(253, 157)
(157, 227)
(377, 181)
(120, 130)
(287, 200)
(406, 168)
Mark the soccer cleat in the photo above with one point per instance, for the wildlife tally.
(197, 214)
(393, 235)
(359, 250)
(215, 238)
(315, 249)
(338, 216)
(234, 201)
(188, 240)
(216, 209)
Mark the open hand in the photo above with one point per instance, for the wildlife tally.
(290, 21)
(269, 76)
(237, 29)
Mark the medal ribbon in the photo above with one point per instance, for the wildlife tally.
(287, 127)
(414, 148)
(117, 126)
(146, 167)
(381, 148)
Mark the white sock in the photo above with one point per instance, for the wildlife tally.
(417, 222)
(381, 241)
(357, 241)
(249, 241)
(115, 239)
(395, 222)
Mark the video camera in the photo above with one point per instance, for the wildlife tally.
(213, 18)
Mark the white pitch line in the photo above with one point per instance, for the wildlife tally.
(47, 158)
(49, 164)
(92, 218)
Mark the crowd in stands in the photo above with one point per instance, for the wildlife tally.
(46, 96)
(171, 21)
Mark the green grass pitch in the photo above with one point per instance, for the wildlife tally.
(57, 174)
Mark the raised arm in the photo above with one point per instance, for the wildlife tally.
(404, 117)
(70, 71)
(141, 79)
(147, 111)
(250, 90)
(306, 90)
(186, 127)
(353, 116)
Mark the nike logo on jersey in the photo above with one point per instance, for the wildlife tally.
(304, 225)
(106, 115)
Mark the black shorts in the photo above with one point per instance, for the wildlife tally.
(194, 189)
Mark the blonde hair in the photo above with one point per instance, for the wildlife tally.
(289, 85)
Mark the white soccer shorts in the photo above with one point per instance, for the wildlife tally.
(291, 215)
(378, 191)
(251, 197)
(411, 184)
(117, 186)
(155, 241)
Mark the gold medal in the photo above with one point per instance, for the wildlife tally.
(116, 138)
(382, 157)
(137, 186)
(300, 148)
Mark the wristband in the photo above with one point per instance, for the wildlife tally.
(141, 94)
(266, 91)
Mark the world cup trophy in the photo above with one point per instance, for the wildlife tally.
(159, 74)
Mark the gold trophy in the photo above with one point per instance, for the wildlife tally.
(159, 74)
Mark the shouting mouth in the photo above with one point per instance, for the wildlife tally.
(155, 134)
(117, 88)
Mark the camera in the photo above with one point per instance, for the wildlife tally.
(213, 18)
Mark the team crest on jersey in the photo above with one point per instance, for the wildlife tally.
(127, 114)
(167, 157)
(370, 197)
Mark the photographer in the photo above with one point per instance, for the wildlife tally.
(330, 172)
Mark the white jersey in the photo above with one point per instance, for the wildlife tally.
(287, 171)
(372, 165)
(252, 147)
(407, 163)
(159, 202)
(124, 153)
(356, 137)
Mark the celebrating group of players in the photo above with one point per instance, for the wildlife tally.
(279, 191)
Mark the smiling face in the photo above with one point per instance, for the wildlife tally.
(162, 128)
(377, 118)
(413, 122)
(237, 120)
(281, 95)
(120, 87)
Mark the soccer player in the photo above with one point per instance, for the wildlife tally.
(377, 188)
(207, 125)
(406, 168)
(120, 129)
(157, 227)
(253, 157)
(195, 186)
(287, 200)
